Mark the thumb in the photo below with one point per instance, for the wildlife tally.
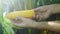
(24, 25)
(21, 18)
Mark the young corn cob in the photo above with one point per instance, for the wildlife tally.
(25, 13)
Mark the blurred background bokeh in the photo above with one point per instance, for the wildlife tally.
(18, 5)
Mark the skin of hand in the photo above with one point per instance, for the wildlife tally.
(23, 22)
(43, 12)
(54, 26)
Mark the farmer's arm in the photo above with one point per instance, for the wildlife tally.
(50, 25)
(43, 12)
(54, 8)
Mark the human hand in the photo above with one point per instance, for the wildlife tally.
(42, 13)
(23, 22)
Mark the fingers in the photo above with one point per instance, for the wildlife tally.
(23, 18)
(18, 20)
(20, 24)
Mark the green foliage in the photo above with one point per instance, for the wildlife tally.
(7, 26)
(27, 4)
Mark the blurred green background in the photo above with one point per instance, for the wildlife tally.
(12, 5)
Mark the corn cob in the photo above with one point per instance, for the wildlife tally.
(25, 13)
